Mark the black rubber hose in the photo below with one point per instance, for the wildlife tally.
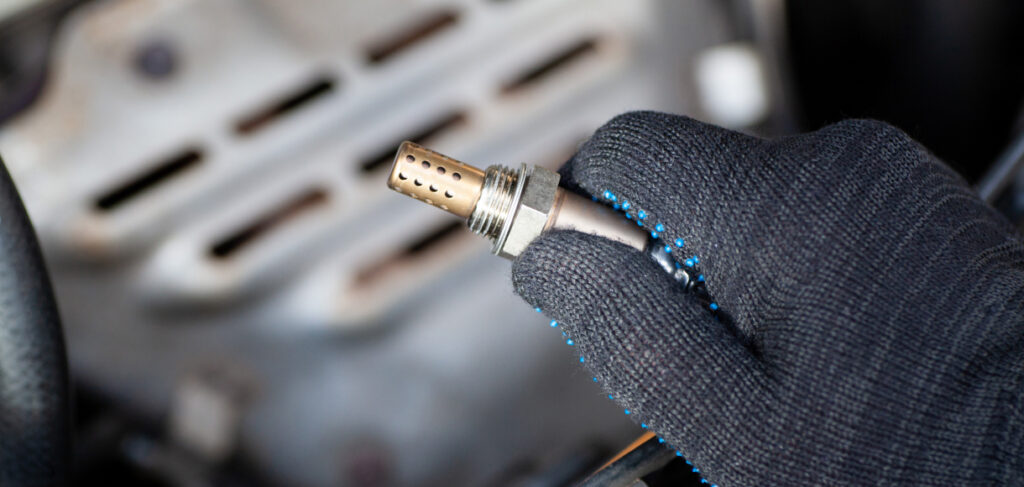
(35, 424)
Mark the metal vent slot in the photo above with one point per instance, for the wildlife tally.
(411, 35)
(417, 251)
(450, 121)
(274, 111)
(551, 65)
(235, 242)
(160, 173)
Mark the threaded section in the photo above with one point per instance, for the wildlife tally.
(495, 202)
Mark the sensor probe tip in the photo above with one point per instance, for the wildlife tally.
(436, 179)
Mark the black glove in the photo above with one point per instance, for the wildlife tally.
(870, 327)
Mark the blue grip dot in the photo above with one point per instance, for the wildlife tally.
(659, 227)
(668, 250)
(570, 342)
(641, 214)
(680, 242)
(655, 234)
(713, 306)
(553, 323)
(625, 205)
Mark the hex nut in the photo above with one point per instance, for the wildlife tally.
(531, 216)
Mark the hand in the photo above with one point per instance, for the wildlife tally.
(872, 328)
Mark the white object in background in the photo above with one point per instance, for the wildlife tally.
(731, 85)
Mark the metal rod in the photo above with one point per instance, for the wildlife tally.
(1002, 171)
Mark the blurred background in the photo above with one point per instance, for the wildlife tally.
(244, 301)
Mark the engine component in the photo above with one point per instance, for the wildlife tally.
(511, 208)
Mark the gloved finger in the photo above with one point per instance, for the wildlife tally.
(654, 348)
(747, 212)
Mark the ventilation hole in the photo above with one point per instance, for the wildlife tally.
(456, 176)
(410, 255)
(402, 176)
(433, 188)
(246, 236)
(449, 121)
(448, 194)
(275, 110)
(161, 172)
(417, 182)
(440, 170)
(550, 65)
(426, 164)
(408, 36)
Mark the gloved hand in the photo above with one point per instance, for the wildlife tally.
(872, 328)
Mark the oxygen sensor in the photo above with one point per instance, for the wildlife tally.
(512, 207)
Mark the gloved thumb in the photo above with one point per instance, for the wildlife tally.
(653, 347)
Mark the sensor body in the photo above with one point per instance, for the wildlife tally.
(511, 207)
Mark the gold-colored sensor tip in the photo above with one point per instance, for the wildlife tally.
(436, 179)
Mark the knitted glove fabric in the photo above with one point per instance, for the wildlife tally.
(871, 308)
